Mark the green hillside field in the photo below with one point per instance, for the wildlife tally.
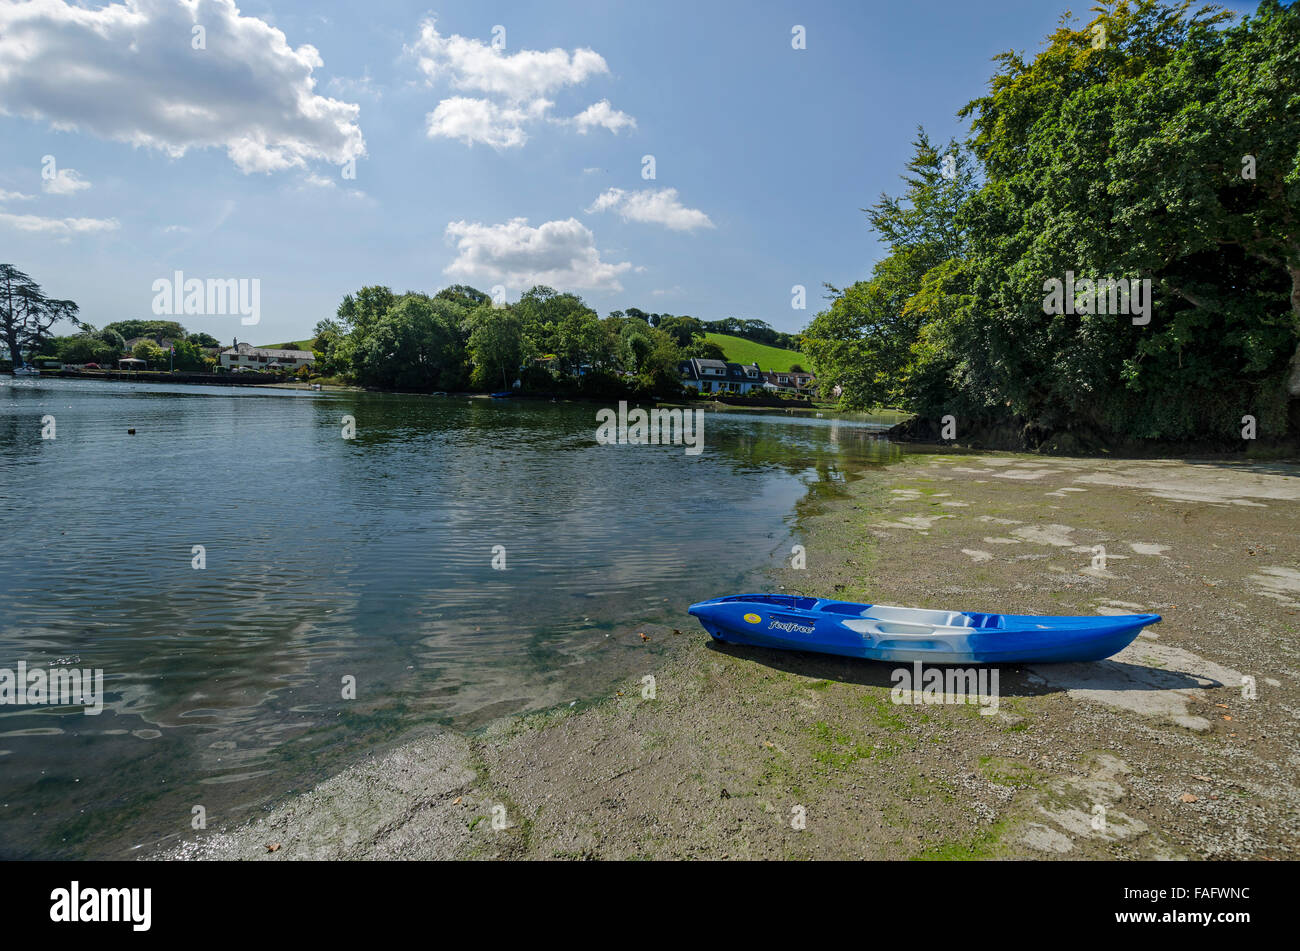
(288, 345)
(740, 350)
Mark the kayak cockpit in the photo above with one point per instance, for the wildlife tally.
(879, 612)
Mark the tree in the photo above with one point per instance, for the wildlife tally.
(26, 314)
(682, 329)
(369, 304)
(1124, 159)
(158, 330)
(113, 339)
(658, 367)
(86, 347)
(497, 344)
(464, 295)
(1152, 144)
(415, 345)
(152, 354)
(564, 325)
(704, 349)
(188, 355)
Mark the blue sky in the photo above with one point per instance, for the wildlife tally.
(473, 164)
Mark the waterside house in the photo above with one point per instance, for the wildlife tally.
(718, 376)
(264, 358)
(790, 381)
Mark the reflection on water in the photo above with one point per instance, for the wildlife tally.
(329, 558)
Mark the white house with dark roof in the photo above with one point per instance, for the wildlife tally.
(718, 376)
(790, 381)
(264, 358)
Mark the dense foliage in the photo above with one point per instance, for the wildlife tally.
(460, 339)
(1156, 143)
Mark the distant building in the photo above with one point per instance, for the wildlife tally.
(264, 358)
(790, 381)
(718, 376)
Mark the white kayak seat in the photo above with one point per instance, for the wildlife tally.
(885, 612)
(884, 619)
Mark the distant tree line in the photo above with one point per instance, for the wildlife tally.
(548, 341)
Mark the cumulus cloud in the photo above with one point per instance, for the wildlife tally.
(528, 74)
(651, 206)
(603, 115)
(558, 253)
(14, 196)
(482, 120)
(58, 226)
(512, 88)
(128, 72)
(66, 181)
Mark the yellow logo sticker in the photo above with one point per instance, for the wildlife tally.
(752, 618)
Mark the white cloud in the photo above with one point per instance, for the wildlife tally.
(59, 226)
(652, 206)
(528, 74)
(604, 115)
(513, 88)
(482, 120)
(66, 181)
(14, 196)
(562, 254)
(128, 72)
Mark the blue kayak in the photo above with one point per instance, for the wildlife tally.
(882, 632)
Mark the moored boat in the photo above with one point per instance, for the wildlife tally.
(885, 632)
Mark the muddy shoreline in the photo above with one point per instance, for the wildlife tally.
(732, 753)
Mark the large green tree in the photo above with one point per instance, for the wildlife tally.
(1118, 152)
(157, 329)
(497, 345)
(414, 345)
(1155, 142)
(26, 313)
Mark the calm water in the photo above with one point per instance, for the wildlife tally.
(329, 558)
